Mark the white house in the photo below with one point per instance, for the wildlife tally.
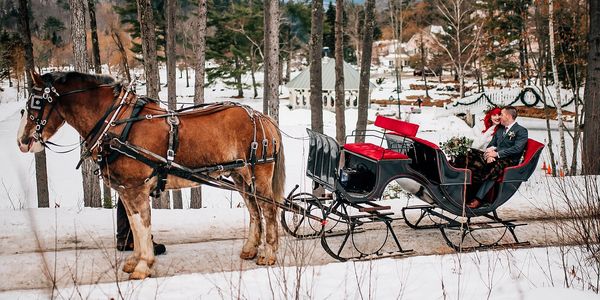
(299, 86)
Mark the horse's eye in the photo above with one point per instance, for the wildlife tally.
(22, 112)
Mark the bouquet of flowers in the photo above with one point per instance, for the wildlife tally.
(456, 146)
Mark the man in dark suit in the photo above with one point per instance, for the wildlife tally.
(505, 149)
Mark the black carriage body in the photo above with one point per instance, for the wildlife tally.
(359, 175)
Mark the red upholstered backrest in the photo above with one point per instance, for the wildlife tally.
(532, 147)
(398, 126)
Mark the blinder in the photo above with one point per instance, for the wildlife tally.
(37, 103)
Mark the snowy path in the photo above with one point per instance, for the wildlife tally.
(87, 255)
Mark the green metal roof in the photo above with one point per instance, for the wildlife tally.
(351, 77)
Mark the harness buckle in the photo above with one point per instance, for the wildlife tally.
(149, 117)
(170, 155)
(254, 145)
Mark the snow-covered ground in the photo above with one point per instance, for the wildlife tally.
(510, 274)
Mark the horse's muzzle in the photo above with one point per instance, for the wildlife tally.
(29, 144)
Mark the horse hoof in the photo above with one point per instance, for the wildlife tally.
(248, 255)
(130, 263)
(139, 275)
(266, 261)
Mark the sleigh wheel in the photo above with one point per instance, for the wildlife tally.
(298, 223)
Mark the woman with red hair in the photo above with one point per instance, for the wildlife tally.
(490, 123)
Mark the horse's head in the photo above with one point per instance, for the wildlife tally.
(39, 119)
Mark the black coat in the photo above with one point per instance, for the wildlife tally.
(512, 144)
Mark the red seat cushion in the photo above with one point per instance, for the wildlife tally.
(401, 127)
(373, 151)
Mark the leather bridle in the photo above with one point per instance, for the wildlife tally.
(49, 96)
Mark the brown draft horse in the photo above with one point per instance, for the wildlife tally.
(81, 100)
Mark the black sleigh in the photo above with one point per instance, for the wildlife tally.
(350, 180)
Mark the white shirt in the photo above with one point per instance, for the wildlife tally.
(509, 126)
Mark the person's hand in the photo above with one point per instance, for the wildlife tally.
(492, 153)
(490, 160)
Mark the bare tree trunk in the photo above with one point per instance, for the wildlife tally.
(91, 183)
(591, 138)
(365, 70)
(106, 194)
(171, 75)
(423, 65)
(271, 80)
(116, 36)
(288, 61)
(94, 35)
(238, 78)
(41, 174)
(561, 128)
(196, 197)
(252, 72)
(316, 83)
(340, 107)
(186, 57)
(148, 36)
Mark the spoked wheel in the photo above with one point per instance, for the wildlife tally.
(349, 241)
(300, 225)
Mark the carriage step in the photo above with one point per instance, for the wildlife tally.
(373, 215)
(374, 208)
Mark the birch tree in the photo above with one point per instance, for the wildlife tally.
(199, 70)
(557, 102)
(316, 84)
(365, 70)
(41, 173)
(340, 107)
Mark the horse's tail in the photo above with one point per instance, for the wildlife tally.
(278, 180)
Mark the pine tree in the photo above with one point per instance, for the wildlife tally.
(238, 28)
(128, 14)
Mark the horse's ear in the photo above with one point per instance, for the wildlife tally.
(37, 79)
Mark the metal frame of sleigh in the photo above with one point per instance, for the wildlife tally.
(356, 175)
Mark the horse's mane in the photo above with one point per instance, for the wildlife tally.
(64, 77)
